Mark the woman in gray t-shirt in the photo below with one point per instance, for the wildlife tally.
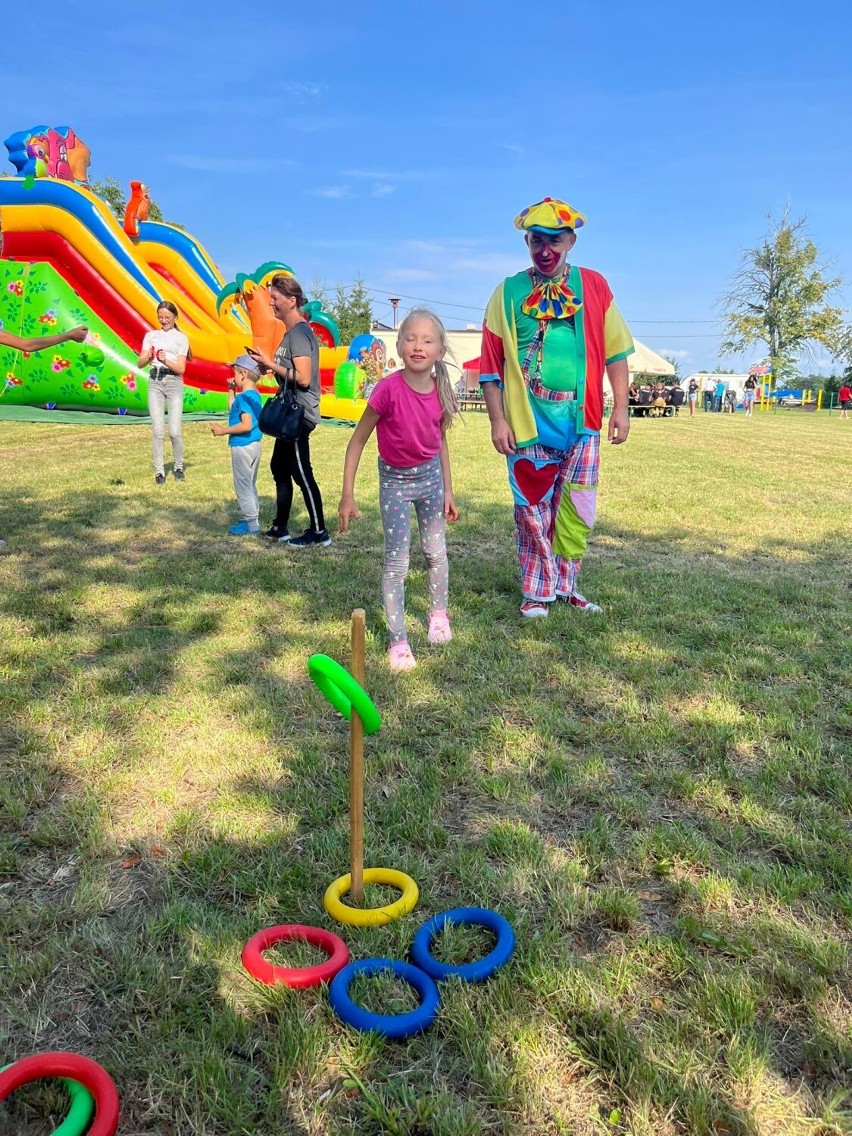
(297, 358)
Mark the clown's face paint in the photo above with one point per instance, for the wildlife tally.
(549, 252)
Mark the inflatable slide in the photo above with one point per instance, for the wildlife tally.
(67, 260)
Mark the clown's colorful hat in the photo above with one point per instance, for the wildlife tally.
(550, 216)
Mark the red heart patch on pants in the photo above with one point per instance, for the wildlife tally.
(534, 482)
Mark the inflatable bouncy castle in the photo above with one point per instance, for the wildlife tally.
(67, 260)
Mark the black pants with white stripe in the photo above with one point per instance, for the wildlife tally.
(291, 461)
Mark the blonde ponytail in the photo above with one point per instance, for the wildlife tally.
(446, 394)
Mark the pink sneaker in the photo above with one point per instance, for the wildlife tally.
(532, 609)
(439, 627)
(400, 657)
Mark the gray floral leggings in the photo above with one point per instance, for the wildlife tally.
(422, 486)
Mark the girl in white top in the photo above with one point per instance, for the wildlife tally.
(166, 351)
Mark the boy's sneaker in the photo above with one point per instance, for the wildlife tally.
(179, 475)
(310, 537)
(274, 533)
(243, 528)
(160, 479)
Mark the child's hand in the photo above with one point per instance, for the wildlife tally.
(218, 431)
(347, 511)
(450, 510)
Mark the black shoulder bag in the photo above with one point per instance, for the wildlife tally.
(283, 416)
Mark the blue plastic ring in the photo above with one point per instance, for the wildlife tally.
(472, 971)
(388, 1025)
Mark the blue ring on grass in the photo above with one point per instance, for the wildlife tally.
(388, 1025)
(476, 971)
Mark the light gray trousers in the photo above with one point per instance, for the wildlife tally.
(162, 392)
(245, 462)
(399, 489)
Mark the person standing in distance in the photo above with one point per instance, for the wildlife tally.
(297, 358)
(550, 331)
(166, 351)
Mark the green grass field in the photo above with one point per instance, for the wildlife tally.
(657, 798)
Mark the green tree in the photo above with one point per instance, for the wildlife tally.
(723, 371)
(351, 309)
(109, 190)
(779, 296)
(677, 376)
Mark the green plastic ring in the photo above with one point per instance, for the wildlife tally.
(81, 1110)
(343, 692)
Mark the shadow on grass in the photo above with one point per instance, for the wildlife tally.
(673, 736)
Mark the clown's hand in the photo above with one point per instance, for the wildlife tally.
(619, 426)
(502, 437)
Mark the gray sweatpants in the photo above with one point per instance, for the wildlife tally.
(161, 392)
(245, 462)
(422, 486)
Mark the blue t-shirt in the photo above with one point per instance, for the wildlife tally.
(246, 402)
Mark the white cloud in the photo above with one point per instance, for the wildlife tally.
(333, 192)
(673, 352)
(386, 175)
(383, 190)
(304, 92)
(513, 148)
(411, 275)
(205, 164)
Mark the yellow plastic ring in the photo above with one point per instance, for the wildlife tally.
(371, 916)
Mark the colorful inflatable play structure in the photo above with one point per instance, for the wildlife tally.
(67, 260)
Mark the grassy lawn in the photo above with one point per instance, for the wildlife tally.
(658, 798)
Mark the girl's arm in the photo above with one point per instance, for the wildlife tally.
(347, 509)
(39, 343)
(450, 510)
(146, 355)
(175, 363)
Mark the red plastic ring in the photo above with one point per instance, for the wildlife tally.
(93, 1076)
(297, 977)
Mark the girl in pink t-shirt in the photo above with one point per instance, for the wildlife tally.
(410, 410)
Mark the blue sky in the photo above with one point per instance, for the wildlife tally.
(398, 141)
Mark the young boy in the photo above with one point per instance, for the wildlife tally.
(244, 439)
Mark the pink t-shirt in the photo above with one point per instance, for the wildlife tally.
(409, 426)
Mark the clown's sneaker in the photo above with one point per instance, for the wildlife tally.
(533, 609)
(576, 600)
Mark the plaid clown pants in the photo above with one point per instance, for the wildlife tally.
(555, 493)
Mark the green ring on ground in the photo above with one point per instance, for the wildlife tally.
(344, 692)
(81, 1110)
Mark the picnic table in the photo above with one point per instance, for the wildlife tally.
(471, 400)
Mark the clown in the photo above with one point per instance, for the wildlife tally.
(549, 334)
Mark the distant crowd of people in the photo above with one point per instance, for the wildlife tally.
(655, 400)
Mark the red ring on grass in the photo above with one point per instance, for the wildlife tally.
(82, 1069)
(297, 977)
